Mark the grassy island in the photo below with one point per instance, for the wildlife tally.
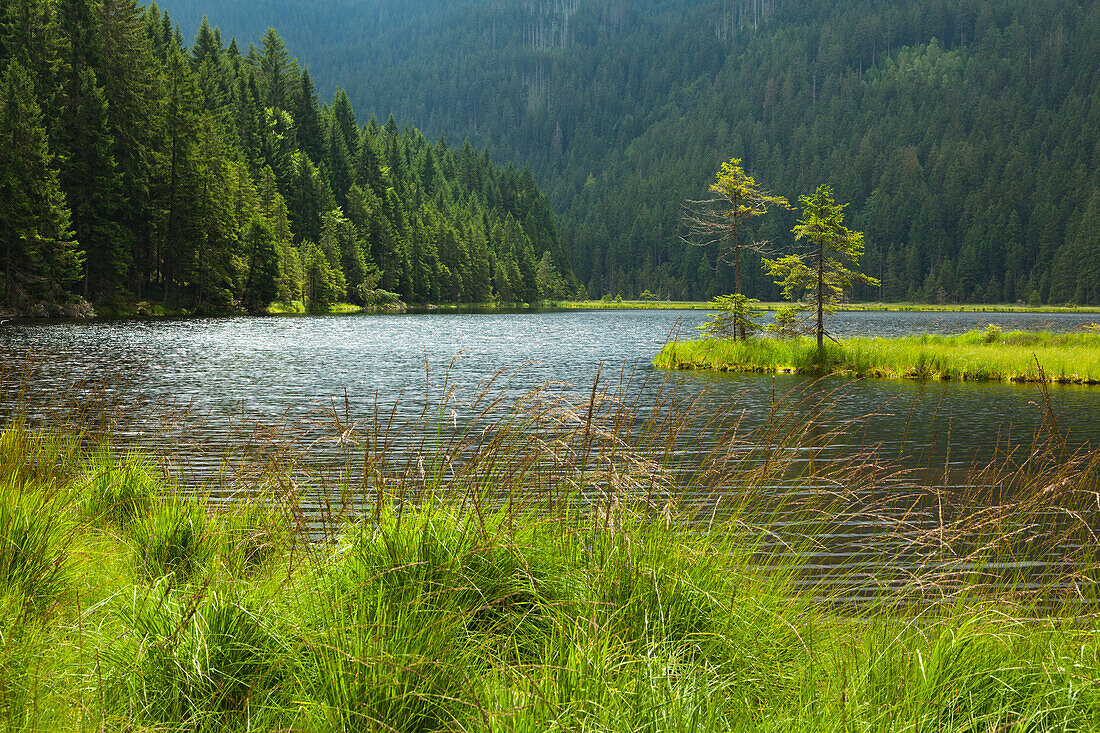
(986, 355)
(498, 581)
(620, 304)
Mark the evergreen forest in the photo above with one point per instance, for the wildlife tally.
(206, 178)
(964, 133)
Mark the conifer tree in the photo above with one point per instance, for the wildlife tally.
(344, 118)
(216, 275)
(368, 169)
(306, 200)
(339, 163)
(180, 187)
(307, 117)
(129, 79)
(825, 273)
(40, 256)
(206, 47)
(735, 198)
(31, 36)
(250, 120)
(262, 281)
(92, 186)
(322, 286)
(76, 19)
(272, 68)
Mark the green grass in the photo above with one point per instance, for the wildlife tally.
(116, 490)
(988, 355)
(705, 305)
(297, 307)
(34, 560)
(536, 573)
(173, 539)
(630, 304)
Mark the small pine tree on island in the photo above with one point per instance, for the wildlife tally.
(736, 317)
(821, 277)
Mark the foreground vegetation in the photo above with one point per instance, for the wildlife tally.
(535, 570)
(989, 354)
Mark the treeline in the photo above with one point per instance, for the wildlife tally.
(134, 167)
(964, 133)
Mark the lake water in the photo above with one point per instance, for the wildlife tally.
(264, 368)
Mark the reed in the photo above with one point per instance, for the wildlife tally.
(986, 355)
(555, 560)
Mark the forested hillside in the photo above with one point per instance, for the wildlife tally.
(136, 167)
(964, 133)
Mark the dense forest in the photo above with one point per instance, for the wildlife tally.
(964, 133)
(206, 178)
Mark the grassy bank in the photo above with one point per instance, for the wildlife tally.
(967, 308)
(989, 355)
(853, 307)
(537, 572)
(629, 304)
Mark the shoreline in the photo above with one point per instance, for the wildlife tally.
(848, 307)
(145, 310)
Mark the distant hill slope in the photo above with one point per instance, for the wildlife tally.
(964, 133)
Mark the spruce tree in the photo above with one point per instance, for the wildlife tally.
(179, 190)
(344, 118)
(40, 255)
(31, 36)
(262, 283)
(307, 117)
(129, 78)
(825, 273)
(272, 70)
(92, 185)
(206, 47)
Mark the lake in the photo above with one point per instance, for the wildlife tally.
(264, 368)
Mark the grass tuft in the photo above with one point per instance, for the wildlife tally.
(174, 539)
(202, 661)
(34, 563)
(251, 535)
(115, 491)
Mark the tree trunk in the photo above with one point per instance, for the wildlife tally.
(820, 295)
(9, 276)
(739, 332)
